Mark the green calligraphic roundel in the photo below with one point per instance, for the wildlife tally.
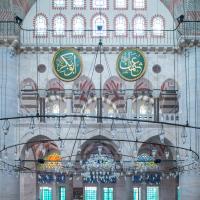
(67, 64)
(131, 64)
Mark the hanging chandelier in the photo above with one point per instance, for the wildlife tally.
(100, 167)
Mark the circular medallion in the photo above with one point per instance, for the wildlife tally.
(156, 69)
(99, 68)
(131, 64)
(41, 68)
(67, 64)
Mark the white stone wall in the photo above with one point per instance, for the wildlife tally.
(9, 183)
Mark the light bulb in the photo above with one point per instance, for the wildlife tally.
(162, 138)
(177, 156)
(113, 132)
(167, 154)
(6, 155)
(15, 154)
(154, 152)
(0, 156)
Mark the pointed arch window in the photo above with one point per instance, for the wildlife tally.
(40, 25)
(158, 26)
(99, 25)
(139, 4)
(59, 4)
(139, 26)
(120, 4)
(59, 23)
(120, 25)
(99, 4)
(78, 25)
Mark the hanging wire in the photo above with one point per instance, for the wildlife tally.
(37, 61)
(196, 83)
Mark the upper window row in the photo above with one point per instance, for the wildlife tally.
(99, 4)
(99, 25)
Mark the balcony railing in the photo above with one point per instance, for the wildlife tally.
(9, 29)
(28, 38)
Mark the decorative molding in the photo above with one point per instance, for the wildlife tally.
(107, 49)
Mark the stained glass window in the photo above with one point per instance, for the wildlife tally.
(59, 25)
(139, 26)
(78, 3)
(59, 3)
(99, 24)
(136, 193)
(99, 3)
(158, 26)
(90, 193)
(152, 193)
(107, 193)
(45, 193)
(62, 193)
(120, 3)
(120, 26)
(40, 25)
(78, 25)
(139, 4)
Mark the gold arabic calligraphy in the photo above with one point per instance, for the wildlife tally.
(131, 64)
(67, 64)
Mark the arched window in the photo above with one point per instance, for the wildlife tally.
(99, 25)
(114, 97)
(169, 102)
(78, 25)
(139, 4)
(59, 23)
(59, 3)
(120, 25)
(78, 3)
(84, 97)
(120, 4)
(139, 26)
(40, 25)
(142, 101)
(99, 3)
(158, 26)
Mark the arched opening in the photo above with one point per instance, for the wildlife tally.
(142, 100)
(121, 25)
(39, 158)
(169, 103)
(114, 99)
(55, 102)
(84, 97)
(99, 25)
(28, 96)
